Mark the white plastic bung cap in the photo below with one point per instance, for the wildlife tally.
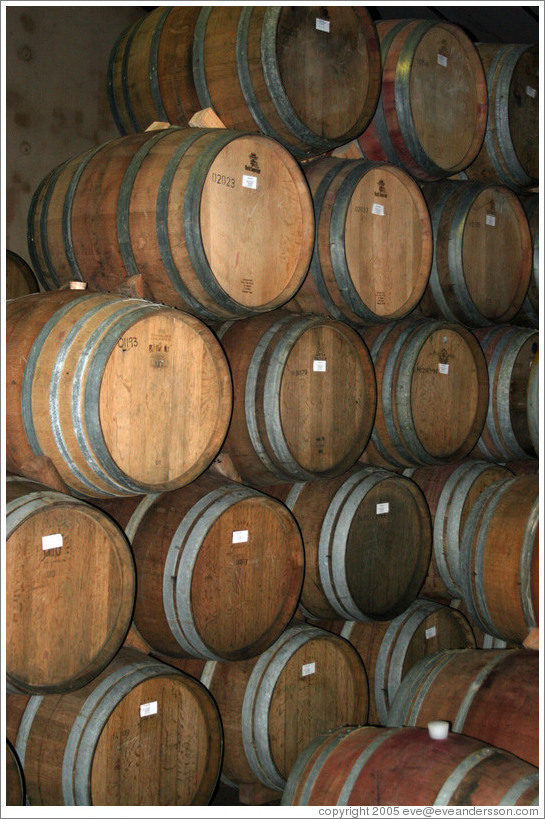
(438, 729)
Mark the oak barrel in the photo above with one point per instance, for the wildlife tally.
(304, 397)
(367, 539)
(150, 75)
(499, 558)
(432, 392)
(510, 151)
(91, 375)
(367, 765)
(309, 681)
(510, 353)
(528, 315)
(450, 491)
(15, 777)
(70, 589)
(20, 278)
(389, 649)
(216, 222)
(142, 733)
(488, 694)
(482, 640)
(532, 403)
(432, 111)
(373, 244)
(307, 76)
(219, 566)
(482, 260)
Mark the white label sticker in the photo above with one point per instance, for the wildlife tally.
(431, 632)
(241, 536)
(490, 219)
(442, 60)
(377, 209)
(249, 181)
(309, 668)
(532, 92)
(51, 541)
(383, 508)
(443, 368)
(322, 25)
(148, 708)
(319, 365)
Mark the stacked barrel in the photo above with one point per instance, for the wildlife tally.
(272, 423)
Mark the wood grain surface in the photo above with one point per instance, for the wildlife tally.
(70, 589)
(141, 733)
(431, 117)
(95, 385)
(219, 568)
(375, 766)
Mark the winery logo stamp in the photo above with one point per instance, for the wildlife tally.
(253, 167)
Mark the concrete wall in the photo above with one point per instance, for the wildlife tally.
(56, 103)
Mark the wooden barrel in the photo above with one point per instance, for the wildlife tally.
(390, 648)
(20, 278)
(431, 115)
(70, 589)
(432, 392)
(482, 259)
(219, 566)
(308, 77)
(309, 681)
(218, 223)
(482, 640)
(510, 151)
(528, 315)
(510, 354)
(142, 733)
(491, 695)
(15, 778)
(367, 765)
(94, 385)
(499, 558)
(304, 397)
(150, 75)
(373, 244)
(451, 490)
(532, 403)
(367, 539)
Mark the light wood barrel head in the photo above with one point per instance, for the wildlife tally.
(256, 222)
(252, 552)
(162, 400)
(70, 586)
(446, 392)
(164, 758)
(321, 686)
(325, 384)
(388, 241)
